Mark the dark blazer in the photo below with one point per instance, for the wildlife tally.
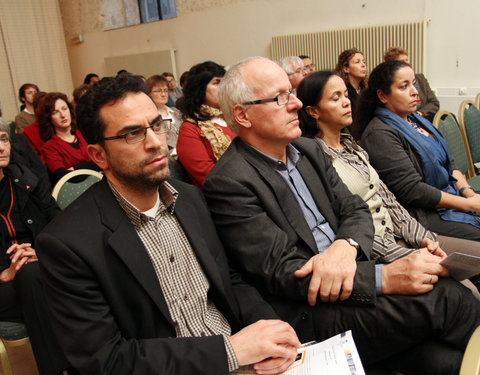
(107, 307)
(263, 229)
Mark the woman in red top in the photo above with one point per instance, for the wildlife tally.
(64, 149)
(204, 136)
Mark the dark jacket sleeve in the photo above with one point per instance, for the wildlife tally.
(398, 165)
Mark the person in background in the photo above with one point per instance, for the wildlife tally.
(91, 79)
(65, 148)
(352, 68)
(174, 92)
(158, 91)
(293, 66)
(204, 136)
(31, 132)
(78, 92)
(411, 155)
(308, 64)
(428, 104)
(26, 206)
(26, 93)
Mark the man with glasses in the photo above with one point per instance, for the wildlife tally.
(295, 69)
(296, 232)
(136, 278)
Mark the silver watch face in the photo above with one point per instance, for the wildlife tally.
(353, 243)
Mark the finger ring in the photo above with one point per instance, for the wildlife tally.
(430, 282)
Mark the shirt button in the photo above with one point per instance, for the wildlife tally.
(172, 258)
(374, 198)
(16, 180)
(29, 221)
(304, 316)
(202, 334)
(371, 186)
(383, 222)
(185, 297)
(378, 209)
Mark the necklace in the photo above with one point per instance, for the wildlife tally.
(417, 127)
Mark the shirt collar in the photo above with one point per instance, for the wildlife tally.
(168, 197)
(293, 155)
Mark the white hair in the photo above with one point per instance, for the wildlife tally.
(233, 89)
(289, 64)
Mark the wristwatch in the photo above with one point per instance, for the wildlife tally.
(465, 188)
(352, 243)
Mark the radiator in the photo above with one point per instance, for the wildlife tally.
(323, 47)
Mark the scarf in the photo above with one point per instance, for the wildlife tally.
(217, 139)
(436, 164)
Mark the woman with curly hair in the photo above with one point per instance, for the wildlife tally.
(64, 149)
(204, 136)
(352, 68)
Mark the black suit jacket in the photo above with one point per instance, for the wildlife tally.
(263, 228)
(107, 306)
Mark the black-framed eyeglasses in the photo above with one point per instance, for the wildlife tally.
(281, 99)
(159, 126)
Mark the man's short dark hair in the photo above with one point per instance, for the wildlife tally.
(106, 91)
(21, 91)
(304, 57)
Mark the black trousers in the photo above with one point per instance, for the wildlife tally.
(22, 300)
(422, 334)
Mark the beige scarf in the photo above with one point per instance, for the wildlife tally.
(217, 139)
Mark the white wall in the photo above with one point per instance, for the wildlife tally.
(453, 50)
(228, 33)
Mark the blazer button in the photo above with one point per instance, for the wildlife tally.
(384, 222)
(371, 186)
(377, 209)
(29, 221)
(304, 316)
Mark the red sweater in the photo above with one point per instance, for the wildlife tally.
(31, 133)
(195, 152)
(60, 154)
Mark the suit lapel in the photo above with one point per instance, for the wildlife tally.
(285, 198)
(127, 245)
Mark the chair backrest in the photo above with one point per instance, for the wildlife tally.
(471, 358)
(469, 121)
(477, 100)
(446, 123)
(66, 190)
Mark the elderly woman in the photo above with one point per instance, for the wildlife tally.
(158, 91)
(26, 206)
(352, 68)
(411, 155)
(64, 149)
(428, 104)
(325, 113)
(204, 136)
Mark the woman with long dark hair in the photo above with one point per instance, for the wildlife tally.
(204, 136)
(411, 155)
(352, 68)
(64, 148)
